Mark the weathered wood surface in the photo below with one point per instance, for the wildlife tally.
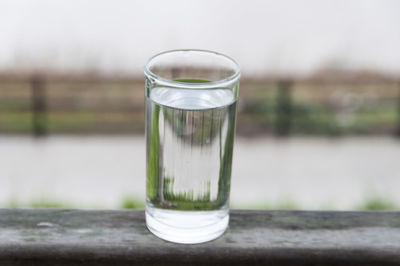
(72, 237)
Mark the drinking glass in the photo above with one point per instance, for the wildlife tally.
(191, 102)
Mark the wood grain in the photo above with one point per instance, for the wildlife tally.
(77, 237)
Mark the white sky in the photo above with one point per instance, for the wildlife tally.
(265, 37)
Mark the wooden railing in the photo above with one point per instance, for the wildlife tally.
(76, 237)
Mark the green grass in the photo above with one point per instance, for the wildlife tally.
(41, 203)
(132, 203)
(376, 203)
(15, 122)
(371, 203)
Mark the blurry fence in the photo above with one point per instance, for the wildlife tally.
(398, 111)
(39, 104)
(43, 105)
(318, 107)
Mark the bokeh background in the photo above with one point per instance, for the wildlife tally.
(319, 115)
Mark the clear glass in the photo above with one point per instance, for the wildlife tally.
(191, 98)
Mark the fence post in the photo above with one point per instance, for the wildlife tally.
(283, 118)
(398, 110)
(39, 106)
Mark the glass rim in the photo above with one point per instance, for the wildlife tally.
(173, 83)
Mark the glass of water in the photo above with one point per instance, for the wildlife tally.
(191, 102)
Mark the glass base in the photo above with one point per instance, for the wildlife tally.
(187, 227)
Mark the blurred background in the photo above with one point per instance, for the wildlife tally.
(319, 115)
